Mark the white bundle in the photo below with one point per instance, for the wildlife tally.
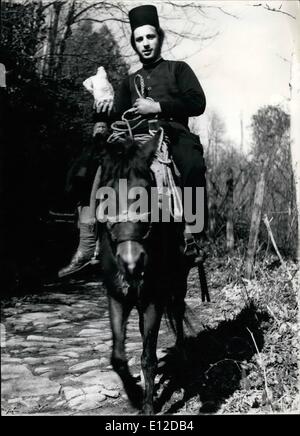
(101, 89)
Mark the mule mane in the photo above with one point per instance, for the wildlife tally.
(123, 158)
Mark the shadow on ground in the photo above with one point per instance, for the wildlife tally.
(210, 368)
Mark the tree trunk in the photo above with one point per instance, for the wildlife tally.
(53, 34)
(2, 76)
(212, 220)
(212, 209)
(67, 32)
(229, 212)
(255, 220)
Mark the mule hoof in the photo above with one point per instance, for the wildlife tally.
(135, 396)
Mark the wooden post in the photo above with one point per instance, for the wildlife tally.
(229, 211)
(267, 224)
(203, 283)
(255, 220)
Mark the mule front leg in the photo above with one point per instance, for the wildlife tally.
(178, 309)
(118, 318)
(119, 312)
(149, 325)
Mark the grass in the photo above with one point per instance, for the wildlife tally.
(267, 379)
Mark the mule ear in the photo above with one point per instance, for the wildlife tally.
(149, 148)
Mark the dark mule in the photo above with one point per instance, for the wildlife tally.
(143, 266)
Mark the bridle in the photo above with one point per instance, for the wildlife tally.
(136, 235)
(129, 217)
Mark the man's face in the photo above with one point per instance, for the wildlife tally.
(100, 128)
(147, 43)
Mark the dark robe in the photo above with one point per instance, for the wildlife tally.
(175, 86)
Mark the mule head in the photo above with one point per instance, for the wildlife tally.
(127, 172)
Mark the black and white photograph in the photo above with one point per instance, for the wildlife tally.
(150, 204)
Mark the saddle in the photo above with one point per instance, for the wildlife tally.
(166, 173)
(167, 177)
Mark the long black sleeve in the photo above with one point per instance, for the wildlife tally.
(187, 100)
(192, 101)
(123, 99)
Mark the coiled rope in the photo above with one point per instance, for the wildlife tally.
(129, 123)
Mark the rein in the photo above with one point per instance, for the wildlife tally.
(124, 127)
(128, 216)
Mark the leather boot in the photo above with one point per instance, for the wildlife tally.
(96, 256)
(85, 250)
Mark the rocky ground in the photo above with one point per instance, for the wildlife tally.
(56, 349)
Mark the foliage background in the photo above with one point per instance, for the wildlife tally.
(49, 48)
(46, 121)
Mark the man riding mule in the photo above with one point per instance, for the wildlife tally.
(145, 262)
(169, 92)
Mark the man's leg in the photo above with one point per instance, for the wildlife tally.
(87, 251)
(188, 156)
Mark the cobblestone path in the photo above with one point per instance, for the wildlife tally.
(56, 349)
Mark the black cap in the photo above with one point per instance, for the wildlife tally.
(142, 15)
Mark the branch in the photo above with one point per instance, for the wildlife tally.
(222, 10)
(268, 8)
(193, 37)
(186, 5)
(201, 8)
(48, 5)
(101, 21)
(100, 5)
(284, 59)
(68, 55)
(94, 5)
(190, 55)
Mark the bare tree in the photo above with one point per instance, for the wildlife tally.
(291, 11)
(269, 127)
(182, 20)
(215, 134)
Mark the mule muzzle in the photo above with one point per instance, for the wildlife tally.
(131, 259)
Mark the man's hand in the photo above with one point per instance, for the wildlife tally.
(104, 105)
(144, 106)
